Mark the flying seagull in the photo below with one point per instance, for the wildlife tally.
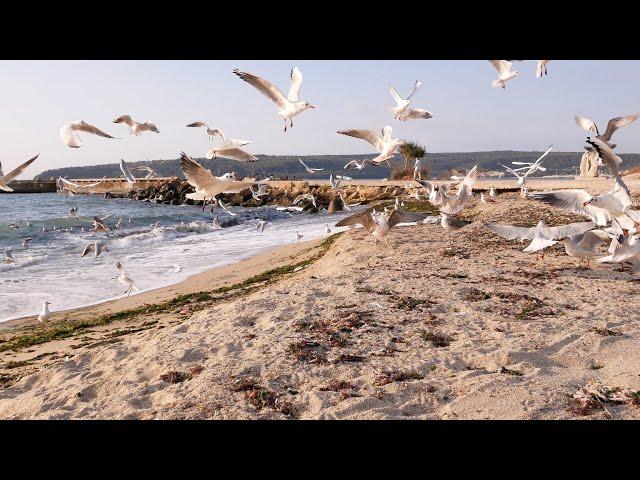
(613, 125)
(503, 67)
(541, 236)
(137, 128)
(69, 133)
(309, 169)
(231, 149)
(5, 179)
(289, 106)
(384, 145)
(76, 188)
(528, 169)
(380, 223)
(127, 173)
(96, 248)
(402, 111)
(211, 132)
(358, 166)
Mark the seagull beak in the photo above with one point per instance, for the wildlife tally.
(588, 202)
(312, 106)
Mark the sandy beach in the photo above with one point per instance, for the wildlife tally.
(349, 329)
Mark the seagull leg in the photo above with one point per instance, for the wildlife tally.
(285, 124)
(204, 203)
(291, 120)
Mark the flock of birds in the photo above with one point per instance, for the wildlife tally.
(579, 239)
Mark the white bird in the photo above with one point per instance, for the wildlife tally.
(541, 235)
(484, 199)
(309, 169)
(583, 245)
(493, 193)
(73, 212)
(125, 279)
(306, 196)
(211, 132)
(353, 164)
(346, 204)
(224, 207)
(5, 179)
(289, 106)
(290, 209)
(541, 68)
(25, 242)
(530, 168)
(503, 67)
(435, 194)
(452, 204)
(298, 236)
(136, 128)
(384, 145)
(335, 182)
(326, 228)
(96, 247)
(624, 247)
(260, 192)
(8, 257)
(119, 222)
(99, 225)
(231, 149)
(402, 111)
(69, 135)
(344, 177)
(76, 188)
(44, 314)
(260, 226)
(380, 223)
(150, 171)
(215, 223)
(613, 125)
(127, 173)
(416, 169)
(206, 184)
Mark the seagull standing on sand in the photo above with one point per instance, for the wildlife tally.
(136, 128)
(298, 236)
(8, 257)
(503, 67)
(484, 199)
(211, 132)
(309, 169)
(541, 68)
(44, 314)
(379, 224)
(613, 125)
(5, 179)
(416, 170)
(583, 245)
(492, 192)
(384, 145)
(402, 111)
(125, 279)
(289, 106)
(69, 135)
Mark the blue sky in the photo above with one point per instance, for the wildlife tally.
(38, 97)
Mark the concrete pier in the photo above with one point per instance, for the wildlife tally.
(32, 186)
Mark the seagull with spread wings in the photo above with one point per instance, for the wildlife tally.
(452, 204)
(528, 169)
(583, 245)
(353, 164)
(541, 236)
(613, 125)
(289, 106)
(402, 111)
(230, 148)
(380, 223)
(137, 128)
(211, 132)
(69, 133)
(542, 68)
(96, 248)
(77, 188)
(5, 179)
(127, 173)
(309, 169)
(384, 145)
(505, 72)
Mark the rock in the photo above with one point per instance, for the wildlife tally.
(589, 164)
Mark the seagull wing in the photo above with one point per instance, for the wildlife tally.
(236, 154)
(400, 216)
(296, 83)
(428, 185)
(361, 218)
(396, 96)
(466, 189)
(264, 86)
(198, 176)
(618, 122)
(573, 201)
(610, 159)
(88, 249)
(414, 89)
(569, 230)
(366, 135)
(127, 174)
(198, 124)
(85, 127)
(591, 239)
(586, 124)
(69, 137)
(419, 113)
(18, 170)
(511, 232)
(501, 66)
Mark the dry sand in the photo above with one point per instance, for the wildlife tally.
(413, 330)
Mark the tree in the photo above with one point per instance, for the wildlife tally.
(411, 151)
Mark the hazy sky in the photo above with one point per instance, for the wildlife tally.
(38, 97)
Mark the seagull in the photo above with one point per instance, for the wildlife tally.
(503, 67)
(384, 145)
(289, 106)
(530, 167)
(606, 155)
(306, 196)
(99, 225)
(435, 194)
(211, 132)
(541, 68)
(216, 224)
(358, 166)
(44, 314)
(25, 242)
(309, 169)
(206, 184)
(326, 228)
(541, 235)
(402, 111)
(260, 192)
(136, 127)
(344, 177)
(224, 207)
(13, 226)
(335, 184)
(613, 125)
(600, 208)
(416, 169)
(493, 193)
(346, 204)
(89, 188)
(119, 222)
(150, 171)
(261, 225)
(452, 204)
(380, 223)
(8, 256)
(96, 247)
(125, 279)
(452, 224)
(127, 173)
(299, 236)
(583, 245)
(623, 248)
(69, 135)
(5, 179)
(73, 212)
(484, 199)
(290, 209)
(231, 149)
